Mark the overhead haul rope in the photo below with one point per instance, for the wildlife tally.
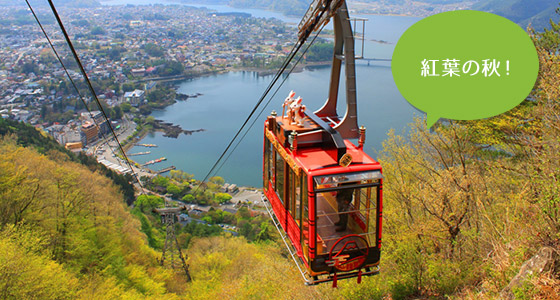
(287, 61)
(77, 58)
(268, 102)
(65, 69)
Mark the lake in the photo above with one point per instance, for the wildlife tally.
(228, 99)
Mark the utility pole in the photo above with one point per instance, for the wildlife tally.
(169, 217)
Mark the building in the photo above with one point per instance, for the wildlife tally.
(99, 119)
(135, 97)
(74, 147)
(140, 72)
(89, 133)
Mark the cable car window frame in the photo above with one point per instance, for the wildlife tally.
(347, 177)
(267, 167)
(304, 225)
(295, 196)
(370, 233)
(279, 169)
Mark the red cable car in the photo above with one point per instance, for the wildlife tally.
(325, 193)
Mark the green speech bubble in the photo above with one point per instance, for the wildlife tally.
(464, 65)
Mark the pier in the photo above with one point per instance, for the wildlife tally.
(139, 153)
(166, 170)
(151, 162)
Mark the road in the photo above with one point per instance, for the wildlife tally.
(107, 149)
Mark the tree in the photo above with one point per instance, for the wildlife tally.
(320, 52)
(153, 50)
(188, 198)
(128, 87)
(172, 68)
(174, 190)
(217, 180)
(117, 113)
(30, 67)
(97, 30)
(148, 202)
(222, 197)
(126, 107)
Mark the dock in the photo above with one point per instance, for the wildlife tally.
(151, 162)
(146, 145)
(166, 170)
(139, 153)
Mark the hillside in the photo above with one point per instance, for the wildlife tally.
(67, 233)
(27, 136)
(523, 12)
(289, 7)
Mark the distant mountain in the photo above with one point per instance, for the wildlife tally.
(288, 7)
(523, 12)
(399, 2)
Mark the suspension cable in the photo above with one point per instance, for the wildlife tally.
(77, 58)
(298, 46)
(80, 96)
(268, 102)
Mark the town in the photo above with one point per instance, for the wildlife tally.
(129, 53)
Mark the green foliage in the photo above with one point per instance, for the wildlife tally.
(155, 237)
(202, 230)
(469, 201)
(30, 67)
(129, 87)
(222, 197)
(188, 198)
(289, 7)
(524, 12)
(27, 272)
(171, 68)
(65, 232)
(153, 50)
(174, 190)
(219, 216)
(161, 94)
(217, 180)
(160, 181)
(27, 136)
(319, 52)
(98, 30)
(148, 202)
(126, 107)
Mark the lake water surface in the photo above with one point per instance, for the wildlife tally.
(228, 99)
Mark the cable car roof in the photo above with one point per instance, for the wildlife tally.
(318, 160)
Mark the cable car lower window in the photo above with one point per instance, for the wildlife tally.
(345, 211)
(348, 177)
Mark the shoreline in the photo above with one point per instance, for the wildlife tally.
(134, 139)
(266, 72)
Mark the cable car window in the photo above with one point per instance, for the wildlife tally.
(295, 196)
(280, 177)
(348, 177)
(345, 208)
(288, 188)
(267, 169)
(273, 168)
(304, 217)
